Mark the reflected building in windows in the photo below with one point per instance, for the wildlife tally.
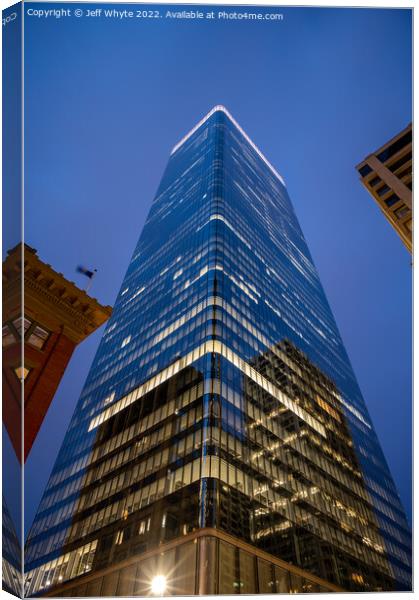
(221, 443)
(321, 502)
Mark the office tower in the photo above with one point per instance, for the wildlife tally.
(387, 175)
(56, 316)
(221, 443)
(11, 555)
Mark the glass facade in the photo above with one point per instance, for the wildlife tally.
(12, 572)
(200, 563)
(221, 397)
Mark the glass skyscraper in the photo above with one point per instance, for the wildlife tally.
(221, 443)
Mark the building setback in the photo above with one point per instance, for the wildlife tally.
(221, 443)
(56, 316)
(387, 175)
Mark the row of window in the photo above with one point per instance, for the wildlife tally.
(33, 334)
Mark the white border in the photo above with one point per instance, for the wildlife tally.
(390, 4)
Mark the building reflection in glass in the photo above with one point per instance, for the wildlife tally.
(221, 425)
(300, 490)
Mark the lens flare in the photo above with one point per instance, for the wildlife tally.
(158, 585)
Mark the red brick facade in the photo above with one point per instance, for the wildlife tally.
(47, 367)
(55, 309)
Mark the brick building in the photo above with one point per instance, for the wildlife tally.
(56, 316)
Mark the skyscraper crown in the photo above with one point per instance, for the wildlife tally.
(221, 108)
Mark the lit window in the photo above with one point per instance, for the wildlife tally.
(144, 526)
(21, 372)
(112, 327)
(126, 341)
(38, 337)
(119, 537)
(109, 398)
(8, 337)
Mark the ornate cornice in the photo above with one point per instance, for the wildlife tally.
(49, 297)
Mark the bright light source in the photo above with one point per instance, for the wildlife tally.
(158, 585)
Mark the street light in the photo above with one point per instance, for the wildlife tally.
(158, 585)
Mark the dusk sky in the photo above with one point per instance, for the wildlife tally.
(106, 100)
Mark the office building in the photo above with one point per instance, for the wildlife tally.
(387, 175)
(11, 555)
(221, 443)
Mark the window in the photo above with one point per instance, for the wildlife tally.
(383, 190)
(401, 212)
(125, 583)
(247, 573)
(144, 526)
(265, 577)
(126, 341)
(374, 181)
(8, 337)
(38, 337)
(35, 335)
(228, 580)
(391, 200)
(21, 373)
(22, 321)
(141, 530)
(395, 147)
(109, 398)
(404, 159)
(119, 537)
(282, 580)
(185, 580)
(365, 170)
(405, 172)
(109, 583)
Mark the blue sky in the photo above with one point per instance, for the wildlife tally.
(105, 102)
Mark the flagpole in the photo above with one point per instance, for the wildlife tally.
(89, 283)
